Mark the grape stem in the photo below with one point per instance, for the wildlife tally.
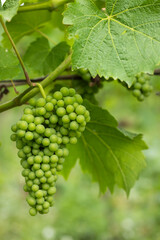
(49, 5)
(32, 91)
(16, 51)
(41, 89)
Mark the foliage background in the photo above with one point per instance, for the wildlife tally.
(79, 212)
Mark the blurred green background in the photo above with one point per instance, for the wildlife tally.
(80, 213)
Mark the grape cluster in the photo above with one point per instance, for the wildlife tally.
(141, 87)
(41, 135)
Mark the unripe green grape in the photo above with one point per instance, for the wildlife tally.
(29, 136)
(65, 140)
(47, 152)
(38, 120)
(145, 87)
(36, 166)
(63, 131)
(53, 171)
(46, 205)
(49, 98)
(53, 138)
(39, 207)
(61, 111)
(21, 133)
(29, 118)
(26, 149)
(35, 152)
(40, 128)
(51, 190)
(57, 95)
(38, 159)
(53, 119)
(72, 116)
(48, 174)
(74, 125)
(73, 140)
(19, 144)
(61, 160)
(53, 147)
(80, 110)
(36, 181)
(137, 93)
(21, 154)
(25, 188)
(29, 183)
(45, 142)
(25, 164)
(45, 167)
(64, 91)
(25, 172)
(68, 100)
(43, 179)
(45, 186)
(39, 194)
(39, 173)
(69, 108)
(78, 98)
(31, 201)
(59, 152)
(13, 137)
(45, 211)
(31, 126)
(28, 110)
(36, 135)
(45, 159)
(50, 199)
(60, 103)
(31, 175)
(75, 105)
(40, 200)
(65, 152)
(35, 145)
(39, 140)
(54, 159)
(22, 125)
(32, 211)
(72, 92)
(141, 97)
(53, 165)
(141, 80)
(137, 85)
(49, 107)
(35, 188)
(14, 127)
(40, 102)
(59, 167)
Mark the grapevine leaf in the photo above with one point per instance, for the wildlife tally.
(55, 57)
(109, 155)
(36, 53)
(25, 24)
(119, 41)
(9, 9)
(9, 65)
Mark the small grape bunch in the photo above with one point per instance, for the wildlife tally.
(141, 87)
(41, 136)
(89, 86)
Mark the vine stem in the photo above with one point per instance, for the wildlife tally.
(16, 51)
(32, 91)
(50, 6)
(20, 82)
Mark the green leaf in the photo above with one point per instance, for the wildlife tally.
(36, 54)
(9, 9)
(9, 65)
(55, 57)
(109, 155)
(25, 24)
(118, 42)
